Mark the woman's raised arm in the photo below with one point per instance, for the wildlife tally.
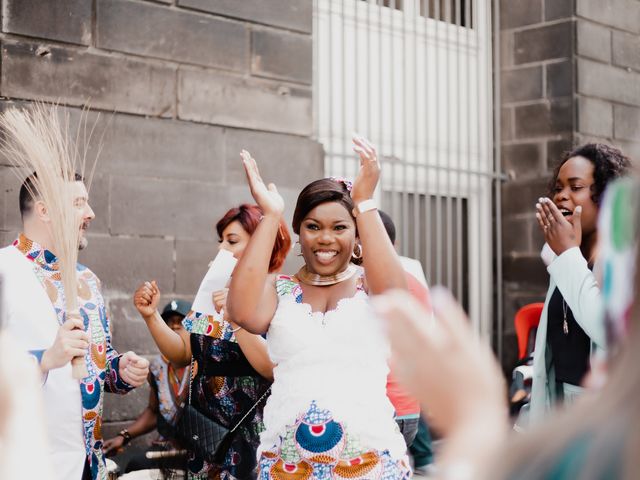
(382, 266)
(173, 345)
(252, 298)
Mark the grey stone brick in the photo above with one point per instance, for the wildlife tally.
(555, 151)
(559, 79)
(157, 31)
(626, 121)
(10, 181)
(517, 13)
(626, 50)
(43, 72)
(290, 14)
(516, 236)
(126, 407)
(210, 97)
(630, 149)
(521, 196)
(521, 84)
(282, 55)
(286, 160)
(608, 82)
(556, 9)
(63, 20)
(192, 260)
(595, 117)
(99, 201)
(506, 48)
(138, 146)
(593, 41)
(523, 159)
(623, 14)
(543, 43)
(542, 119)
(151, 206)
(526, 270)
(130, 332)
(122, 263)
(506, 123)
(8, 236)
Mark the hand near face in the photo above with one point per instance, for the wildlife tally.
(267, 197)
(133, 369)
(146, 299)
(369, 173)
(442, 361)
(559, 233)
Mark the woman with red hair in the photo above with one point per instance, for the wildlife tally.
(232, 368)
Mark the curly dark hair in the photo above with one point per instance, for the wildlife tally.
(609, 163)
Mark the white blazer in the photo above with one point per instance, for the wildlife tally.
(570, 273)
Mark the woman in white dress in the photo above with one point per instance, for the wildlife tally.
(328, 415)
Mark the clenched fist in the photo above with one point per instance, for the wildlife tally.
(146, 299)
(133, 369)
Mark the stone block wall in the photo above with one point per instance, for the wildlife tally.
(176, 88)
(570, 73)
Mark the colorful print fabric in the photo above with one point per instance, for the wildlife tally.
(102, 360)
(225, 399)
(318, 447)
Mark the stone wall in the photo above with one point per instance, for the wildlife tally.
(570, 73)
(176, 89)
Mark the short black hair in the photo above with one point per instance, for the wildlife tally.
(609, 163)
(389, 226)
(28, 190)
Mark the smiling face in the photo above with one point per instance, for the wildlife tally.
(234, 239)
(574, 187)
(327, 238)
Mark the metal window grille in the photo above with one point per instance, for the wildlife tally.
(414, 76)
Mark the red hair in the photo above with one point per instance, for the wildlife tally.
(249, 217)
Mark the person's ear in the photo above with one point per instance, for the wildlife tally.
(40, 211)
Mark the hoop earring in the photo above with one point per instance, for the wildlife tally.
(357, 256)
(299, 253)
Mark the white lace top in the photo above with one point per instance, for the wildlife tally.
(337, 359)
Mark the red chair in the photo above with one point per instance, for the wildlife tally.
(526, 319)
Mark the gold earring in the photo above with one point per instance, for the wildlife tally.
(357, 256)
(299, 253)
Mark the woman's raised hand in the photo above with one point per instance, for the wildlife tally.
(369, 172)
(267, 197)
(146, 299)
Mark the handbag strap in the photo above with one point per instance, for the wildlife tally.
(190, 378)
(255, 405)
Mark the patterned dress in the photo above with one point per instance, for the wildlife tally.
(102, 360)
(225, 387)
(328, 416)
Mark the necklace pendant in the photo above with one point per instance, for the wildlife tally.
(565, 326)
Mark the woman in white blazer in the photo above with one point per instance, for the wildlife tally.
(571, 327)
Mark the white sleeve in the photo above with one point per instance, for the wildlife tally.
(580, 290)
